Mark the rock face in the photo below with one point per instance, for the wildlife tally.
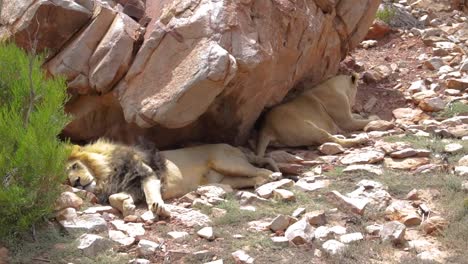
(198, 69)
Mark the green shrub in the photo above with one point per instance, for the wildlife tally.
(31, 156)
(386, 14)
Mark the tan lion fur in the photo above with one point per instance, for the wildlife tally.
(314, 116)
(171, 174)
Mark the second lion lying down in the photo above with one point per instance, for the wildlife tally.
(124, 175)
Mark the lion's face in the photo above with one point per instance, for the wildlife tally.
(80, 176)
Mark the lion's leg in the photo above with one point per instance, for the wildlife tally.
(123, 202)
(321, 136)
(152, 189)
(264, 139)
(242, 182)
(344, 118)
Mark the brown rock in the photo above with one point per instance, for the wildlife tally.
(409, 115)
(204, 70)
(394, 232)
(405, 164)
(300, 232)
(379, 125)
(331, 148)
(316, 218)
(378, 30)
(434, 225)
(283, 195)
(459, 84)
(435, 104)
(66, 200)
(3, 255)
(21, 19)
(354, 205)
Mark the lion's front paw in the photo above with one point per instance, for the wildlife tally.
(128, 209)
(159, 209)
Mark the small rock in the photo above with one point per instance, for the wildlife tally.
(374, 229)
(369, 43)
(432, 256)
(322, 233)
(266, 190)
(213, 190)
(394, 232)
(241, 257)
(121, 238)
(308, 184)
(367, 168)
(354, 205)
(300, 232)
(461, 170)
(333, 247)
(147, 216)
(338, 230)
(91, 244)
(417, 86)
(331, 148)
(188, 217)
(248, 198)
(413, 195)
(178, 236)
(434, 63)
(218, 212)
(434, 104)
(66, 200)
(434, 224)
(147, 247)
(85, 223)
(453, 148)
(316, 218)
(298, 212)
(463, 161)
(405, 164)
(283, 195)
(132, 229)
(379, 125)
(378, 30)
(131, 218)
(408, 115)
(280, 241)
(139, 261)
(367, 157)
(66, 214)
(281, 223)
(352, 237)
(207, 233)
(459, 84)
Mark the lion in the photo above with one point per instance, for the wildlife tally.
(314, 116)
(118, 173)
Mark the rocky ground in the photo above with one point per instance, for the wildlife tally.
(402, 198)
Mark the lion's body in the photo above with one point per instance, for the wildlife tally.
(312, 117)
(128, 174)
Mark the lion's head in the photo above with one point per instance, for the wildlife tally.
(80, 176)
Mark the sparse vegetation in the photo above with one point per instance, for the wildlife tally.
(386, 14)
(31, 157)
(454, 109)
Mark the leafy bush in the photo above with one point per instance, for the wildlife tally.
(386, 14)
(31, 156)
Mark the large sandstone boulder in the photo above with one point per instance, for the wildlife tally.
(186, 69)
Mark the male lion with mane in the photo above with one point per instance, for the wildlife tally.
(314, 116)
(124, 175)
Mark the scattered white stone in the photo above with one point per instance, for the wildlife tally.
(280, 241)
(309, 184)
(91, 223)
(188, 217)
(178, 236)
(283, 195)
(374, 229)
(91, 244)
(207, 233)
(248, 198)
(148, 216)
(333, 247)
(121, 238)
(147, 247)
(368, 43)
(322, 233)
(393, 231)
(99, 209)
(249, 208)
(241, 257)
(367, 157)
(213, 190)
(298, 212)
(352, 237)
(433, 255)
(331, 148)
(219, 261)
(367, 168)
(266, 190)
(66, 214)
(453, 147)
(139, 261)
(132, 229)
(338, 230)
(354, 205)
(300, 232)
